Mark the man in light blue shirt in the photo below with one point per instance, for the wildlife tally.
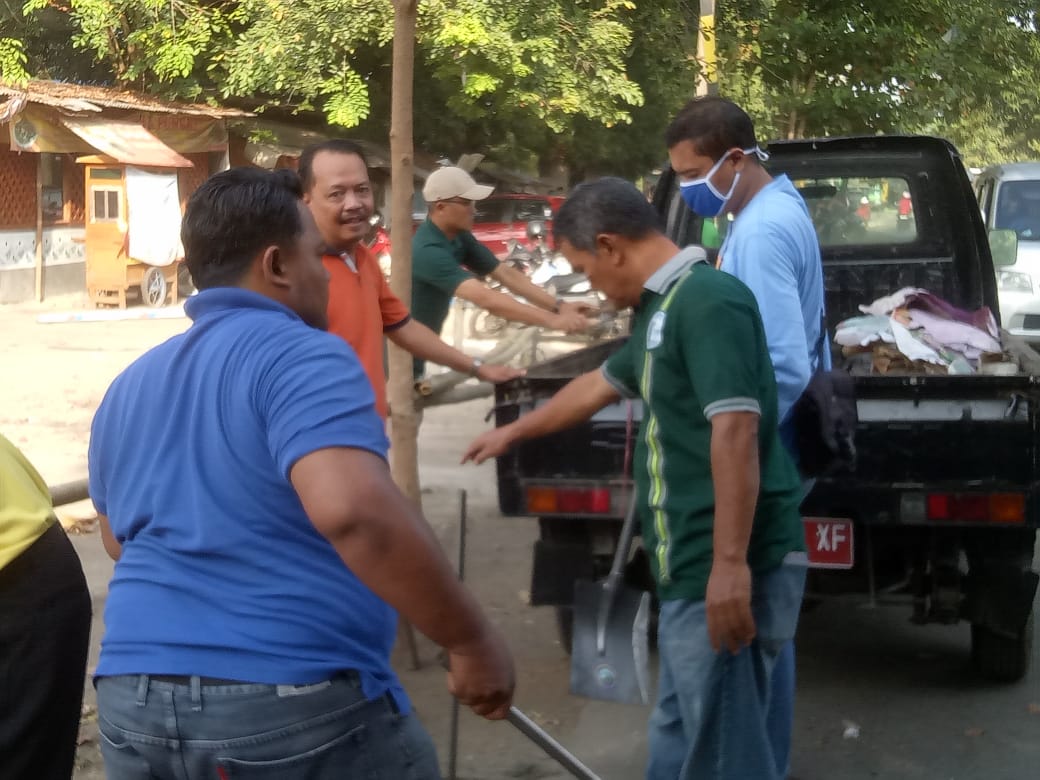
(772, 247)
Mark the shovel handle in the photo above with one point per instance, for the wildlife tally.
(610, 588)
(624, 545)
(554, 749)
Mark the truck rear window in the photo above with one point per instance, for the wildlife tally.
(860, 211)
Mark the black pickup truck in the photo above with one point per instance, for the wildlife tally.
(942, 508)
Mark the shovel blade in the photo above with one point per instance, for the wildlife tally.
(621, 672)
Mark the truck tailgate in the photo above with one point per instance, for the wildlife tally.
(586, 455)
(938, 435)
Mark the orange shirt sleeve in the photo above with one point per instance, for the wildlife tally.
(395, 313)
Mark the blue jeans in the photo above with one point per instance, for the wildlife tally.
(780, 719)
(710, 719)
(153, 730)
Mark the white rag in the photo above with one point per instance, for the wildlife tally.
(154, 217)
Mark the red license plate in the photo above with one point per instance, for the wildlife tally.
(829, 542)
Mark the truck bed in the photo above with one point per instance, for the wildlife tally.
(916, 432)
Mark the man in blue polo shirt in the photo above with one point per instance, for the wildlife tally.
(260, 544)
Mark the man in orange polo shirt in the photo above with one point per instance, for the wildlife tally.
(362, 309)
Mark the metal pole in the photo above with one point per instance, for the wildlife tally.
(707, 80)
(39, 227)
(524, 724)
(69, 492)
(563, 757)
(453, 733)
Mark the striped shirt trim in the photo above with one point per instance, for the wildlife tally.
(617, 384)
(732, 405)
(396, 325)
(672, 271)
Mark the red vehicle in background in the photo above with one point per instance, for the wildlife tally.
(503, 218)
(378, 242)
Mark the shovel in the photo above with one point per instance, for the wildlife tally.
(609, 655)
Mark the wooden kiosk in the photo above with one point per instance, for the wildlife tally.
(111, 270)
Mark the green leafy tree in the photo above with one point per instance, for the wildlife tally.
(12, 60)
(550, 82)
(815, 67)
(160, 46)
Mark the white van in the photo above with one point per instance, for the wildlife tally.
(1009, 195)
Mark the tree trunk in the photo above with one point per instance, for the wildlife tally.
(792, 123)
(404, 423)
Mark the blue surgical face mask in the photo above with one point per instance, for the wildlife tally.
(700, 194)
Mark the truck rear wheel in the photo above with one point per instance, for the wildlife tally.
(1001, 658)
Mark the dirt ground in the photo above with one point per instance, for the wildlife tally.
(878, 698)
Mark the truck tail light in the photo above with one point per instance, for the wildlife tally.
(939, 506)
(1008, 508)
(972, 507)
(541, 500)
(569, 500)
(976, 507)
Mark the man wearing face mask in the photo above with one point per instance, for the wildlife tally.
(772, 247)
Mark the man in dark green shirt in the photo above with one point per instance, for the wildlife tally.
(447, 261)
(718, 493)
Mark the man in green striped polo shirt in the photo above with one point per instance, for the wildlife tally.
(718, 492)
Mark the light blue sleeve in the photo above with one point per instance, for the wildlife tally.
(768, 264)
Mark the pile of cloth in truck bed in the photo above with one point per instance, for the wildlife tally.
(913, 331)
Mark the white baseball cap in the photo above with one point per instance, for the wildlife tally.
(452, 182)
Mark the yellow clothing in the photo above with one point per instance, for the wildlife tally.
(25, 504)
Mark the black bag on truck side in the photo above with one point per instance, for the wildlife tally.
(824, 419)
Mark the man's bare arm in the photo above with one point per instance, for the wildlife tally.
(518, 282)
(380, 535)
(508, 307)
(575, 403)
(416, 338)
(735, 475)
(352, 501)
(108, 539)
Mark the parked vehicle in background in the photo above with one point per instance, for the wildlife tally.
(504, 217)
(378, 242)
(1009, 196)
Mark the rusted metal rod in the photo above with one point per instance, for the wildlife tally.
(69, 492)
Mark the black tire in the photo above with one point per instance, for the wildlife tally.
(1001, 658)
(154, 289)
